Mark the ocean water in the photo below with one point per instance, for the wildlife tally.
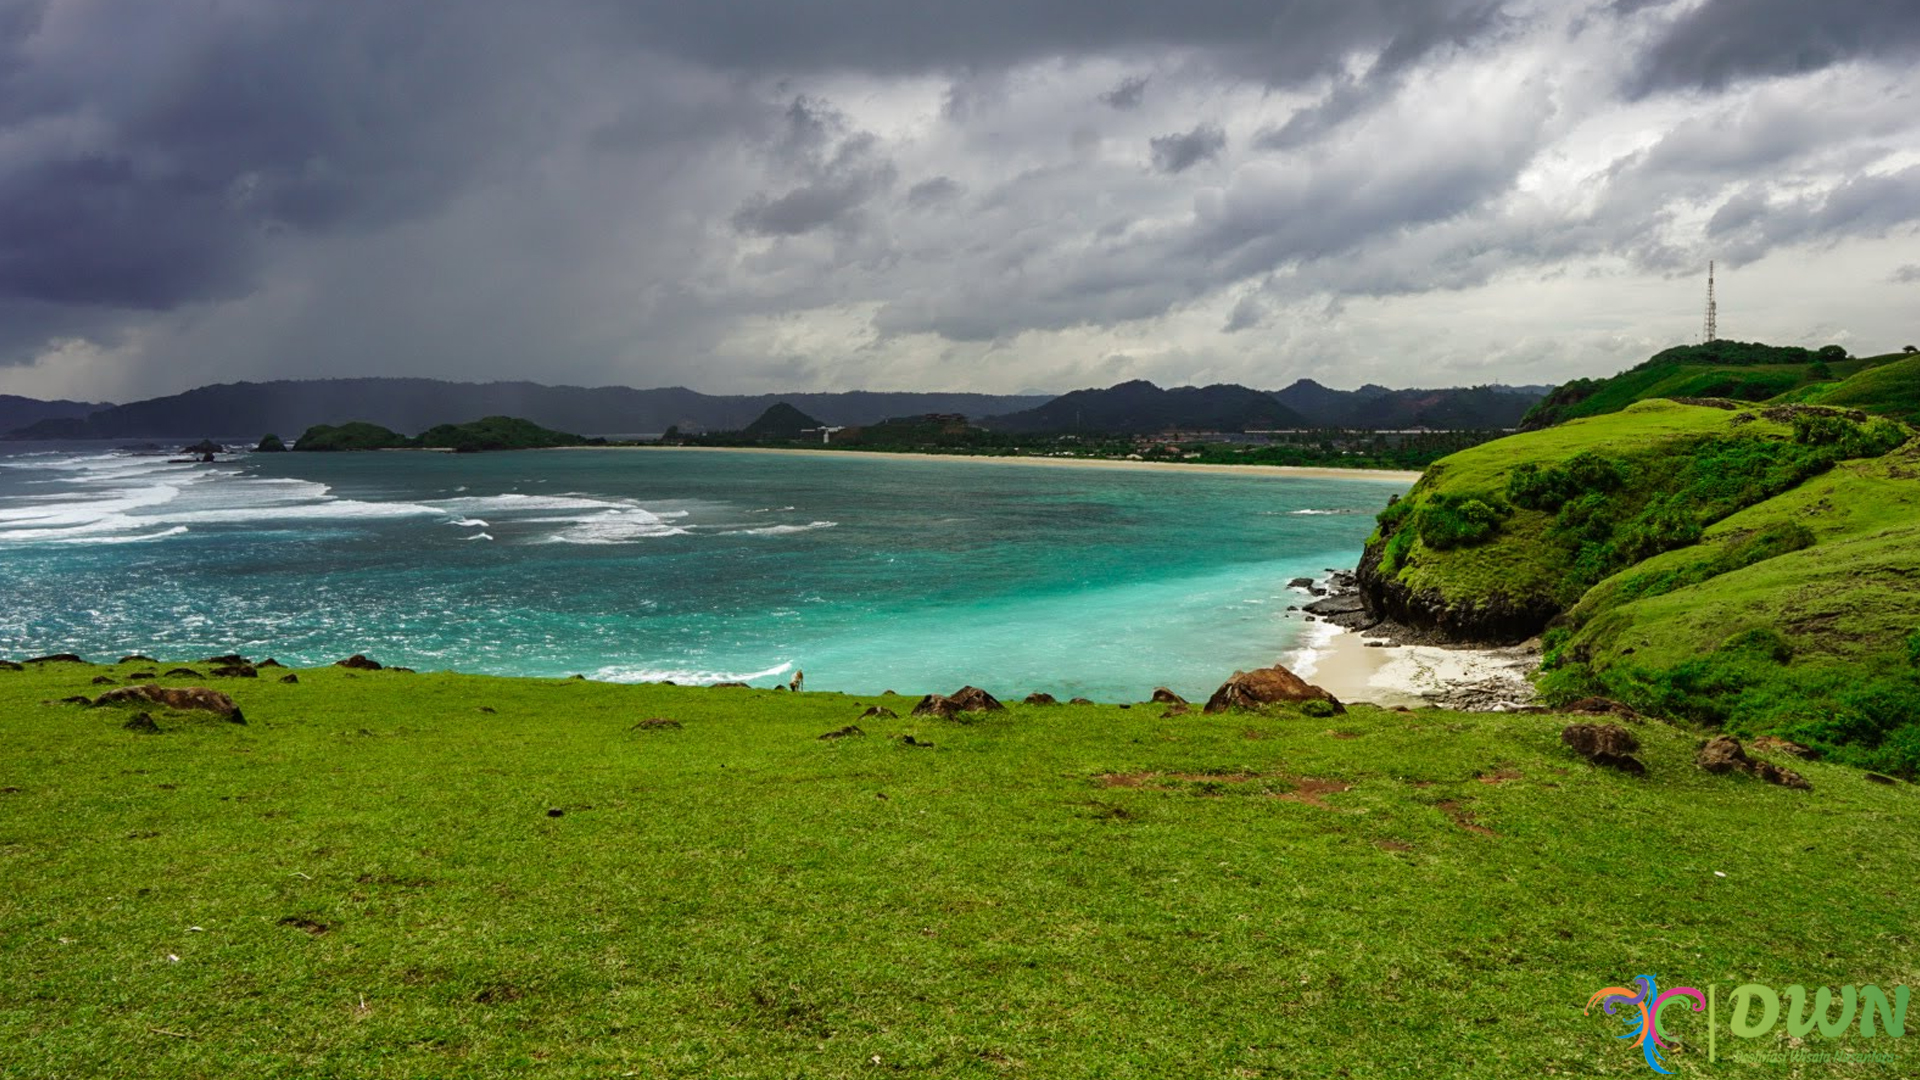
(868, 573)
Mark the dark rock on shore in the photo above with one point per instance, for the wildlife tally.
(358, 662)
(271, 662)
(57, 658)
(8, 665)
(1041, 699)
(1080, 701)
(1164, 696)
(1413, 616)
(718, 685)
(139, 675)
(236, 671)
(183, 673)
(1605, 744)
(974, 699)
(1301, 583)
(289, 678)
(1267, 686)
(226, 660)
(136, 658)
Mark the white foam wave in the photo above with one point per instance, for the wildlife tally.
(771, 510)
(683, 676)
(781, 530)
(468, 523)
(478, 536)
(1305, 658)
(1323, 513)
(138, 539)
(612, 527)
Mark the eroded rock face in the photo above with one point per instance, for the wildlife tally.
(1609, 745)
(1267, 686)
(974, 699)
(184, 698)
(1496, 619)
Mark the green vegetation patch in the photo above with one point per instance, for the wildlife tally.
(396, 875)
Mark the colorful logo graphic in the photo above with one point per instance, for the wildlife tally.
(1644, 1020)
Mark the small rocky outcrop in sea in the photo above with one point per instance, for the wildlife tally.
(358, 662)
(1038, 698)
(1164, 696)
(1267, 686)
(1609, 745)
(184, 698)
(1723, 754)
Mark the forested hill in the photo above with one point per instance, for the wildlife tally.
(416, 404)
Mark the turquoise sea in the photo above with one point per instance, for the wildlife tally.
(638, 565)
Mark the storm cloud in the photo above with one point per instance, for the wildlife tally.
(992, 195)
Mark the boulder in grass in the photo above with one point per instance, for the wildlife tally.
(102, 680)
(8, 665)
(1080, 701)
(935, 705)
(270, 662)
(1723, 754)
(1775, 744)
(718, 685)
(57, 658)
(136, 658)
(236, 671)
(289, 677)
(1267, 686)
(1599, 706)
(358, 662)
(1164, 696)
(141, 675)
(142, 723)
(880, 712)
(227, 660)
(1042, 699)
(1609, 745)
(183, 698)
(847, 732)
(974, 699)
(657, 724)
(183, 673)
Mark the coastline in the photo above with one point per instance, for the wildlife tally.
(1355, 668)
(1311, 472)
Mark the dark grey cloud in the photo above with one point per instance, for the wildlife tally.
(1723, 41)
(1751, 225)
(844, 169)
(933, 192)
(1182, 151)
(1907, 275)
(1130, 92)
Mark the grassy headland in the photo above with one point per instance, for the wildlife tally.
(369, 878)
(487, 433)
(1747, 566)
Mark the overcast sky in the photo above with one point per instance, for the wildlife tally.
(1000, 195)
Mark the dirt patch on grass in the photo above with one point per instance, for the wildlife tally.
(397, 881)
(1393, 845)
(1309, 791)
(307, 923)
(1463, 817)
(499, 994)
(1499, 776)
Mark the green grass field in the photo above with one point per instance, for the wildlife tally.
(368, 880)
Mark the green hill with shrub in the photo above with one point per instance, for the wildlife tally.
(488, 433)
(1755, 567)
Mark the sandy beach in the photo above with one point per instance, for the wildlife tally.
(1413, 675)
(1391, 476)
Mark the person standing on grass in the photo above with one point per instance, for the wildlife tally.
(799, 678)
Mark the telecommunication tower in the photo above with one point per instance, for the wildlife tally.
(1713, 328)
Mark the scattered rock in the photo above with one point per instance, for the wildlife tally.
(1125, 705)
(653, 724)
(888, 693)
(289, 677)
(974, 699)
(136, 658)
(845, 732)
(1876, 778)
(410, 671)
(142, 723)
(102, 680)
(1301, 583)
(489, 710)
(880, 711)
(271, 662)
(1080, 701)
(718, 685)
(935, 705)
(139, 675)
(1599, 706)
(1164, 696)
(358, 662)
(57, 658)
(236, 671)
(76, 700)
(184, 673)
(8, 665)
(908, 740)
(572, 678)
(555, 811)
(176, 697)
(1605, 744)
(1266, 686)
(228, 660)
(1722, 754)
(1775, 744)
(1041, 699)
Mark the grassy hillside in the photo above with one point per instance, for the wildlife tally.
(1737, 371)
(1889, 389)
(370, 879)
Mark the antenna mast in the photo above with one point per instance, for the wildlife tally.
(1713, 329)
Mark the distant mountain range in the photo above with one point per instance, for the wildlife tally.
(289, 407)
(411, 405)
(19, 412)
